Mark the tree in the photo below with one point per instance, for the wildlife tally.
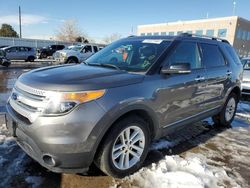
(69, 31)
(113, 37)
(7, 31)
(81, 39)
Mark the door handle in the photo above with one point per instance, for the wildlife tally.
(199, 78)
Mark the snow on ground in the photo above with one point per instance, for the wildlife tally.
(177, 172)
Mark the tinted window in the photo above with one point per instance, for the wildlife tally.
(233, 54)
(87, 49)
(95, 49)
(212, 56)
(186, 52)
(13, 49)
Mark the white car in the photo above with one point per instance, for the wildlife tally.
(246, 76)
(75, 54)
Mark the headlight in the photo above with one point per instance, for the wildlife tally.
(63, 55)
(60, 103)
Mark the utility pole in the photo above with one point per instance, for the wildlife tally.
(20, 22)
(234, 7)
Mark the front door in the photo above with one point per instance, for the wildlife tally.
(182, 95)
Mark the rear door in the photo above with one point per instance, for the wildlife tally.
(218, 74)
(182, 95)
(86, 52)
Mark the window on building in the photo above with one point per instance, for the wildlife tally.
(163, 33)
(143, 34)
(239, 33)
(244, 35)
(156, 33)
(214, 60)
(248, 36)
(171, 33)
(199, 32)
(210, 32)
(222, 32)
(149, 34)
(179, 32)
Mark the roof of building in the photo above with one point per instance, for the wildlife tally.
(193, 21)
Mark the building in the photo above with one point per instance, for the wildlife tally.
(235, 29)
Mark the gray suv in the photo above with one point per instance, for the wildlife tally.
(20, 53)
(107, 112)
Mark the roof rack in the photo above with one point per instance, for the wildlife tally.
(203, 36)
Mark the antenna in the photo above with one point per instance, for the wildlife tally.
(234, 7)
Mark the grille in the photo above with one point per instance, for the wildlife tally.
(27, 101)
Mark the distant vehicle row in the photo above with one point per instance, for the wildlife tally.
(62, 54)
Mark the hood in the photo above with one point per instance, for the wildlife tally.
(77, 78)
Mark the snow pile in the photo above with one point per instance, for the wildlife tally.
(177, 172)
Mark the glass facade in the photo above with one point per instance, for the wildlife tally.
(222, 32)
(199, 32)
(210, 32)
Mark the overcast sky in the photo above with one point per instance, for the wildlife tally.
(99, 18)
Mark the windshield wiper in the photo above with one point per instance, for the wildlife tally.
(104, 65)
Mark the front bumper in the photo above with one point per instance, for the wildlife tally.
(66, 139)
(245, 88)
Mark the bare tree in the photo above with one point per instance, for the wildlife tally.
(113, 37)
(68, 31)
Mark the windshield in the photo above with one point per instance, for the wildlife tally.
(2, 53)
(246, 64)
(75, 48)
(133, 56)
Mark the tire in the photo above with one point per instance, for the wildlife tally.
(31, 59)
(71, 60)
(226, 116)
(43, 55)
(106, 156)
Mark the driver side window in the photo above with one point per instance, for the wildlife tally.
(87, 49)
(186, 52)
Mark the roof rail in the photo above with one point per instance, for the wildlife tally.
(203, 36)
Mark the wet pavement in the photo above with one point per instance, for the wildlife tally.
(226, 148)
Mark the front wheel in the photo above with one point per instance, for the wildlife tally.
(125, 147)
(226, 116)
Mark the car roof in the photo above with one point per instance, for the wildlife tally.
(183, 36)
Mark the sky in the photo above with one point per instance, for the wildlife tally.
(100, 18)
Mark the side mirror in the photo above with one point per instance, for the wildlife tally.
(177, 68)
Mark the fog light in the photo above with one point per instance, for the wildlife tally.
(49, 160)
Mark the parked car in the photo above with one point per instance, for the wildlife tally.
(75, 54)
(3, 60)
(48, 51)
(20, 53)
(68, 116)
(246, 76)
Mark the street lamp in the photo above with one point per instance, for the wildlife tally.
(234, 7)
(20, 22)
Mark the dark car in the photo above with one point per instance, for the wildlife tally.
(48, 51)
(3, 60)
(103, 111)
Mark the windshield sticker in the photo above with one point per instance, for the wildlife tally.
(152, 41)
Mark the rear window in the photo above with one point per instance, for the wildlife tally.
(212, 56)
(95, 49)
(233, 54)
